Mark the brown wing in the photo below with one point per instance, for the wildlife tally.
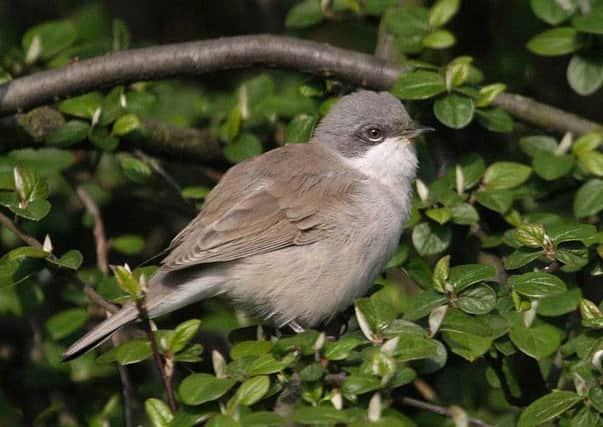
(285, 197)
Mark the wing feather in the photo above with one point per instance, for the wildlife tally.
(259, 207)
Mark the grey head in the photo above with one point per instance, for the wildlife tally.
(364, 119)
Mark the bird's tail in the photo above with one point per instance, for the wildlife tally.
(101, 332)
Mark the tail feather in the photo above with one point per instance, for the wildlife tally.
(101, 332)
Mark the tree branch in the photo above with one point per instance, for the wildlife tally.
(102, 248)
(206, 56)
(157, 138)
(440, 410)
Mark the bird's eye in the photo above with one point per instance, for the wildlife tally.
(374, 134)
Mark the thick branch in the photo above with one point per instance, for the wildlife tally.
(200, 57)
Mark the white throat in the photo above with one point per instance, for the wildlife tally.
(392, 162)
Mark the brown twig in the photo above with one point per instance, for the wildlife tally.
(102, 248)
(440, 410)
(206, 56)
(165, 369)
(30, 240)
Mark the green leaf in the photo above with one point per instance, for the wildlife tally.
(245, 146)
(464, 214)
(100, 138)
(457, 321)
(530, 235)
(439, 215)
(554, 42)
(521, 257)
(506, 175)
(262, 419)
(480, 299)
(547, 408)
(561, 304)
(52, 37)
(440, 39)
(26, 252)
(299, 130)
(126, 124)
(568, 232)
(551, 167)
(399, 257)
(488, 93)
(252, 390)
(455, 111)
(71, 259)
(126, 280)
(377, 7)
(250, 348)
(442, 11)
(83, 106)
(419, 85)
(43, 159)
(539, 341)
(70, 133)
(495, 119)
(158, 412)
(341, 349)
(267, 364)
(408, 21)
(591, 161)
(360, 384)
(222, 421)
(129, 244)
(423, 303)
(34, 211)
(536, 144)
(200, 388)
(589, 199)
(415, 347)
(463, 276)
(195, 192)
(552, 11)
(66, 322)
(133, 351)
(431, 239)
(440, 273)
(466, 345)
(473, 168)
(585, 74)
(136, 170)
(587, 142)
(182, 335)
(591, 22)
(304, 14)
(537, 284)
(319, 415)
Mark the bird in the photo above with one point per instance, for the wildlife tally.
(296, 234)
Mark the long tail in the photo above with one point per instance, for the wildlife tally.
(101, 332)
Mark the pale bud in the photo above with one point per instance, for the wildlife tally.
(566, 143)
(337, 399)
(459, 416)
(460, 179)
(123, 101)
(389, 347)
(96, 116)
(529, 315)
(422, 190)
(244, 102)
(596, 359)
(374, 409)
(219, 364)
(436, 317)
(320, 342)
(19, 186)
(34, 51)
(47, 246)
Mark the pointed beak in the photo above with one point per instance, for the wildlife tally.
(416, 131)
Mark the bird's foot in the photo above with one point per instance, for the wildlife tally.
(296, 327)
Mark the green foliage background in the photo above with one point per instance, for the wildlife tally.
(489, 309)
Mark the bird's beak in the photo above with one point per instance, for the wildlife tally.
(416, 131)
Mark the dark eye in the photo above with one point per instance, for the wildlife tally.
(374, 134)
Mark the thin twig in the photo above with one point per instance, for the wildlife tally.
(102, 250)
(165, 371)
(30, 240)
(440, 410)
(206, 56)
(99, 230)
